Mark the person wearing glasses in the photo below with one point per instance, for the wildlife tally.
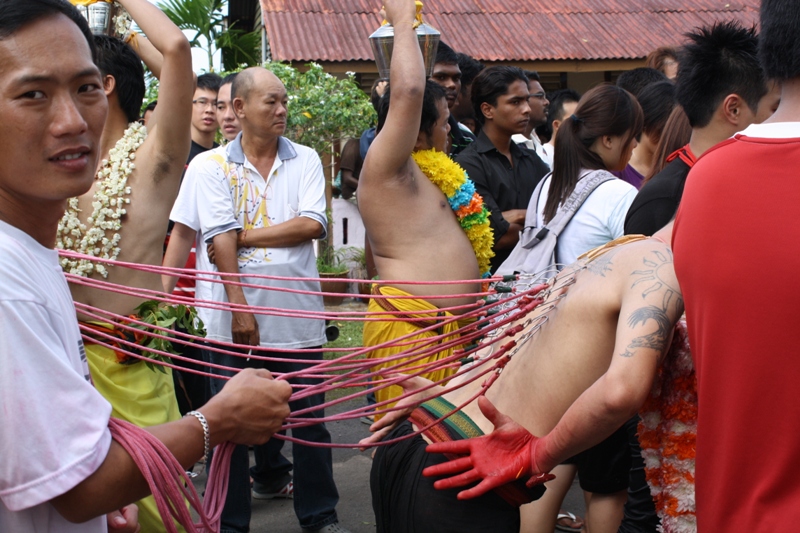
(505, 174)
(540, 105)
(204, 114)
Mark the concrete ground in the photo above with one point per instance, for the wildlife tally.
(351, 471)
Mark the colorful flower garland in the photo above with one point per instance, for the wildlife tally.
(108, 203)
(668, 435)
(464, 201)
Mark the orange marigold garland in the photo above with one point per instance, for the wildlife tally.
(668, 435)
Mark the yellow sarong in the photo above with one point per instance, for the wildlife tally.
(376, 333)
(141, 396)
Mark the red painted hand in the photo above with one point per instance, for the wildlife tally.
(501, 457)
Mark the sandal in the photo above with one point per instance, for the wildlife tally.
(566, 521)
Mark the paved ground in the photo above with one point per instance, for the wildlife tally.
(351, 472)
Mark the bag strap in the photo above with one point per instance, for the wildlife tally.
(583, 189)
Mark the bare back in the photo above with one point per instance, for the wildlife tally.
(415, 234)
(154, 186)
(618, 314)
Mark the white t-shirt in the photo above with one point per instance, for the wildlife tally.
(549, 154)
(599, 220)
(53, 423)
(231, 194)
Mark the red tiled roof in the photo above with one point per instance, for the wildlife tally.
(496, 30)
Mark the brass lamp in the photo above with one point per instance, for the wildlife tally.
(382, 42)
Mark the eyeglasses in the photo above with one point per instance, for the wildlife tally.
(204, 102)
(538, 96)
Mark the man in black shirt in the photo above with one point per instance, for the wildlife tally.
(447, 73)
(722, 94)
(504, 173)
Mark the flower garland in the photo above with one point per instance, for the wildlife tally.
(108, 208)
(668, 435)
(464, 201)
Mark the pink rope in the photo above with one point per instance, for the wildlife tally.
(169, 483)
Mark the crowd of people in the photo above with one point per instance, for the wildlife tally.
(637, 209)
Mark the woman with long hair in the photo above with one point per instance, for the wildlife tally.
(599, 137)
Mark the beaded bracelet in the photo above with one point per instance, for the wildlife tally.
(206, 431)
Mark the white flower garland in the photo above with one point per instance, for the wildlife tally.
(108, 208)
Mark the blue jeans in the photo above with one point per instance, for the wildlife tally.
(315, 494)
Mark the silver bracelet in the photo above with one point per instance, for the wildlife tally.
(206, 431)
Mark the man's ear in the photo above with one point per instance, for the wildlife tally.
(423, 142)
(556, 125)
(238, 107)
(488, 110)
(109, 84)
(732, 108)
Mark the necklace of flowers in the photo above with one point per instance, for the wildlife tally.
(108, 208)
(668, 436)
(464, 201)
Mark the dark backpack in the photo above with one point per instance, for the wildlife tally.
(535, 253)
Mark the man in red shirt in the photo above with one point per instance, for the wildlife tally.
(738, 221)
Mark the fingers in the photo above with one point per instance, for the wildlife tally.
(373, 439)
(460, 480)
(480, 489)
(126, 520)
(450, 467)
(261, 372)
(490, 412)
(460, 447)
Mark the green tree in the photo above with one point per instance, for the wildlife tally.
(207, 19)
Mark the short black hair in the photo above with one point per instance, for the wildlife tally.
(16, 15)
(780, 49)
(637, 79)
(718, 61)
(117, 59)
(556, 110)
(469, 69)
(445, 55)
(430, 112)
(228, 79)
(209, 81)
(492, 83)
(532, 75)
(374, 97)
(657, 101)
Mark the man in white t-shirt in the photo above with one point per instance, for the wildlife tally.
(261, 203)
(61, 471)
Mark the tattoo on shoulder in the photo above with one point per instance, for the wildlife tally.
(656, 340)
(657, 276)
(601, 265)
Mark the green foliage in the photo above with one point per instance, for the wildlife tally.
(180, 317)
(207, 19)
(322, 108)
(333, 262)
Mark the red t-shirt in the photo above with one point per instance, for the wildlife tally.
(737, 258)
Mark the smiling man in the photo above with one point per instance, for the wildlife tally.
(61, 470)
(505, 174)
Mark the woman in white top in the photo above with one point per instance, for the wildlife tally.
(600, 136)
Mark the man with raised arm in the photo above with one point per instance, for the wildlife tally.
(61, 470)
(574, 382)
(412, 228)
(125, 213)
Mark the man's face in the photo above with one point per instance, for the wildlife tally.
(539, 104)
(204, 111)
(264, 110)
(53, 109)
(512, 112)
(449, 77)
(438, 137)
(228, 123)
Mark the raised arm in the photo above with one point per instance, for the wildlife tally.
(169, 135)
(391, 149)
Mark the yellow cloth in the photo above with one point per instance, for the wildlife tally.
(139, 395)
(376, 333)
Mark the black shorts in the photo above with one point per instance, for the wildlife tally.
(605, 468)
(405, 501)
